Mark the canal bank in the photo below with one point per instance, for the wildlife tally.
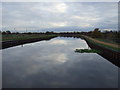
(11, 43)
(110, 54)
(113, 55)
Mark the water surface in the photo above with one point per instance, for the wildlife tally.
(54, 64)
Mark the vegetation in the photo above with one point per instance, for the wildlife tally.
(106, 36)
(111, 46)
(7, 35)
(96, 33)
(87, 51)
(95, 36)
(24, 37)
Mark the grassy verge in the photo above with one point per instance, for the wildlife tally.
(105, 40)
(24, 36)
(114, 46)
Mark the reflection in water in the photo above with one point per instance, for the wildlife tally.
(55, 64)
(59, 42)
(22, 45)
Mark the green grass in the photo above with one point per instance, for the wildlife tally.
(105, 40)
(106, 46)
(87, 51)
(23, 36)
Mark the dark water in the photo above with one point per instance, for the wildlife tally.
(54, 64)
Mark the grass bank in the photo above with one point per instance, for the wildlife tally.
(102, 43)
(14, 40)
(13, 37)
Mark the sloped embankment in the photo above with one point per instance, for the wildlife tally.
(11, 43)
(109, 51)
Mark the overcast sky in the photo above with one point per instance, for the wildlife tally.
(59, 16)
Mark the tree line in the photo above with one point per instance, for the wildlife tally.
(106, 35)
(96, 33)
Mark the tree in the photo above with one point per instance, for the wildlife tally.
(8, 32)
(96, 33)
(3, 32)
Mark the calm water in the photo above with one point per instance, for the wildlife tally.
(54, 64)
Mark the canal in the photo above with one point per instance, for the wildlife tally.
(54, 64)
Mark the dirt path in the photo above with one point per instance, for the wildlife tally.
(105, 43)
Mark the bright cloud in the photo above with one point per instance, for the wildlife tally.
(86, 25)
(59, 24)
(85, 18)
(61, 7)
(50, 7)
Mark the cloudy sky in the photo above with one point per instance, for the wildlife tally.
(59, 16)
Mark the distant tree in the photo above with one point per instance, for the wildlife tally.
(51, 32)
(8, 32)
(29, 33)
(3, 32)
(96, 33)
(47, 32)
(17, 33)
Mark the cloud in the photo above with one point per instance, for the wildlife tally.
(58, 24)
(85, 15)
(0, 15)
(61, 7)
(86, 25)
(50, 7)
(85, 18)
(60, 0)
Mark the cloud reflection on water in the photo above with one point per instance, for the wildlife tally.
(43, 64)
